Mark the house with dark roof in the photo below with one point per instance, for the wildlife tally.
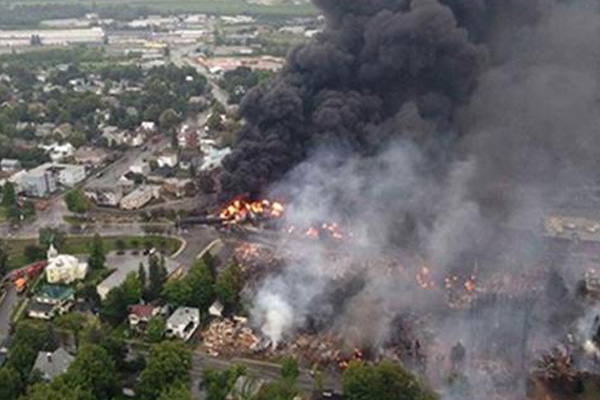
(53, 364)
(51, 300)
(41, 311)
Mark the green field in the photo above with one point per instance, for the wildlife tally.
(200, 6)
(81, 245)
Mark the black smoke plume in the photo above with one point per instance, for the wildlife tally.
(343, 88)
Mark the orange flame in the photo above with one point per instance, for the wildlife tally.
(241, 210)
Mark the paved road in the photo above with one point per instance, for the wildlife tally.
(114, 171)
(6, 309)
(184, 56)
(258, 369)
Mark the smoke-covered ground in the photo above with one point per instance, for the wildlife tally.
(434, 132)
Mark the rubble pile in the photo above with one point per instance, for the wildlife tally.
(254, 256)
(229, 337)
(321, 350)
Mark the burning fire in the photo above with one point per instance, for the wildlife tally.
(424, 278)
(240, 211)
(357, 356)
(327, 230)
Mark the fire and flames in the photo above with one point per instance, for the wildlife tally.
(243, 211)
(240, 211)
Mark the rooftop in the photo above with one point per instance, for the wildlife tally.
(53, 364)
(183, 316)
(56, 292)
(141, 310)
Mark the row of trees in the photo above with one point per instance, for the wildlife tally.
(237, 82)
(203, 286)
(15, 211)
(385, 381)
(137, 286)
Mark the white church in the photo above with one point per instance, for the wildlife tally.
(63, 268)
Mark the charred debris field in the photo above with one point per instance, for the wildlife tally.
(419, 184)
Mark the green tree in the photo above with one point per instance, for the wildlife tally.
(52, 110)
(228, 287)
(178, 292)
(157, 274)
(21, 358)
(168, 119)
(202, 284)
(168, 365)
(3, 258)
(218, 384)
(386, 381)
(155, 329)
(76, 201)
(135, 244)
(9, 195)
(152, 113)
(28, 209)
(97, 258)
(132, 289)
(215, 122)
(13, 214)
(29, 338)
(120, 245)
(114, 307)
(142, 276)
(58, 389)
(289, 369)
(34, 253)
(278, 390)
(10, 383)
(176, 392)
(50, 236)
(94, 370)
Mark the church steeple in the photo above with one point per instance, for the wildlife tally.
(52, 252)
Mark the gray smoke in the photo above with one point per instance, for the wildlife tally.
(434, 132)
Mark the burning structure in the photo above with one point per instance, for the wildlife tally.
(436, 130)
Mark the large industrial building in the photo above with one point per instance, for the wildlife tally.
(51, 37)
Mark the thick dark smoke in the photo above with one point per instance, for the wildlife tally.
(343, 88)
(436, 131)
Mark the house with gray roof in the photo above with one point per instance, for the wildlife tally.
(183, 323)
(53, 364)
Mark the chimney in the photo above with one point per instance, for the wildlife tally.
(49, 355)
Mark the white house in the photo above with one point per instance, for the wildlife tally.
(69, 175)
(216, 309)
(168, 159)
(148, 126)
(64, 268)
(105, 196)
(59, 152)
(183, 323)
(8, 164)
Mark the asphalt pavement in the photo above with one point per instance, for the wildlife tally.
(6, 309)
(258, 369)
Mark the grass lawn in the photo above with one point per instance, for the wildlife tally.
(81, 245)
(199, 6)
